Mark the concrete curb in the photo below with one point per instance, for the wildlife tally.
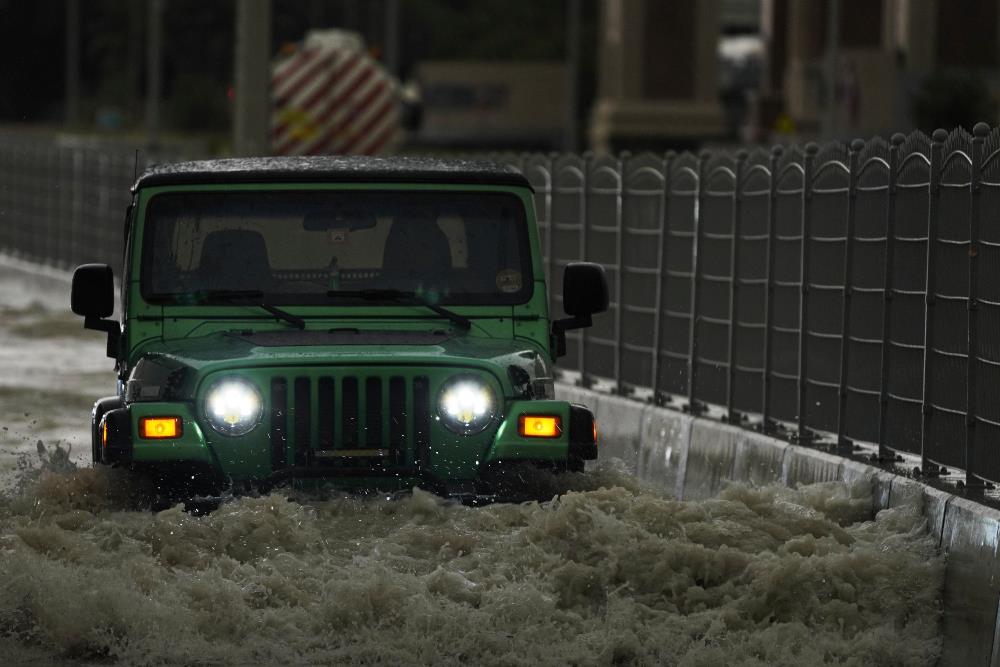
(693, 458)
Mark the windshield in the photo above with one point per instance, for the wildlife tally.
(318, 247)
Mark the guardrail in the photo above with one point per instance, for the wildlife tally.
(851, 291)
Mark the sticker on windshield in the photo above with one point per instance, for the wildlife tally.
(509, 281)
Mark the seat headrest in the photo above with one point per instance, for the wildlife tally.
(235, 259)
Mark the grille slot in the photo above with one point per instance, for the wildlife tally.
(279, 422)
(326, 412)
(349, 409)
(303, 419)
(421, 419)
(373, 413)
(397, 419)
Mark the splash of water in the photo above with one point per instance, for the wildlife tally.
(605, 573)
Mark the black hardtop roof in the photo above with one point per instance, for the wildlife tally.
(333, 169)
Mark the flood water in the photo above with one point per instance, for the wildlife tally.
(607, 572)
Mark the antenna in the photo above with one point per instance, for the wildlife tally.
(135, 166)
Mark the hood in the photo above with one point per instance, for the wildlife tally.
(171, 369)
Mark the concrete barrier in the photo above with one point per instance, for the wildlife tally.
(694, 458)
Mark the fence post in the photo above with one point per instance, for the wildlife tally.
(772, 218)
(887, 292)
(550, 220)
(55, 208)
(620, 387)
(732, 416)
(808, 167)
(23, 223)
(927, 408)
(979, 133)
(65, 242)
(843, 444)
(695, 406)
(79, 169)
(551, 266)
(585, 380)
(5, 220)
(659, 398)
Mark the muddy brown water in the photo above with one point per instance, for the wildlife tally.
(603, 572)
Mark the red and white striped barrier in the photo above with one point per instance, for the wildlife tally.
(332, 100)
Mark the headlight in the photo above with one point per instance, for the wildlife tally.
(466, 404)
(233, 406)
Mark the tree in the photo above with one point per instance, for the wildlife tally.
(948, 99)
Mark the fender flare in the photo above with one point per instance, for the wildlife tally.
(582, 433)
(101, 408)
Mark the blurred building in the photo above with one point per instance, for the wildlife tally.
(469, 103)
(657, 81)
(885, 50)
(686, 72)
(675, 73)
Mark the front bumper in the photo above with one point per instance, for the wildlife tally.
(286, 445)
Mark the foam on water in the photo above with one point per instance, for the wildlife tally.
(607, 574)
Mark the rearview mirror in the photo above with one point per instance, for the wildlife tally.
(353, 219)
(93, 296)
(585, 292)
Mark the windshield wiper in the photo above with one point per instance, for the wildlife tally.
(233, 296)
(399, 296)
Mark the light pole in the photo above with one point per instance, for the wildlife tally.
(392, 37)
(572, 73)
(154, 70)
(251, 119)
(831, 120)
(72, 62)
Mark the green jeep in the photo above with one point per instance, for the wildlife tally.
(380, 323)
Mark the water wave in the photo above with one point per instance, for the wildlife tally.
(607, 572)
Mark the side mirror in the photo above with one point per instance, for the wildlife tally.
(585, 289)
(93, 292)
(585, 292)
(93, 297)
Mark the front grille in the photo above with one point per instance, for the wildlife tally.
(350, 421)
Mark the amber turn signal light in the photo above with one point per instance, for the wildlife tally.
(539, 426)
(159, 428)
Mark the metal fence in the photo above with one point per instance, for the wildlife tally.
(844, 292)
(850, 292)
(64, 204)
